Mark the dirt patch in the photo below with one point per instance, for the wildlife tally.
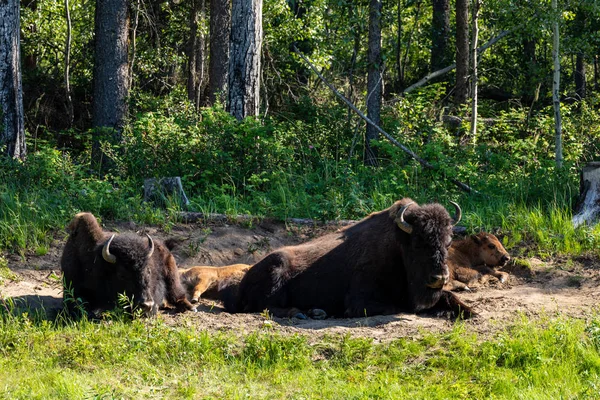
(536, 287)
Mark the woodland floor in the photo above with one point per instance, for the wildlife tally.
(567, 286)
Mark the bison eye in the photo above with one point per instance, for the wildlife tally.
(491, 246)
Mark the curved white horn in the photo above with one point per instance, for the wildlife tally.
(458, 214)
(111, 258)
(151, 244)
(405, 226)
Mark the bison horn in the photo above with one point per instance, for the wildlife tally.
(458, 214)
(402, 224)
(111, 258)
(151, 244)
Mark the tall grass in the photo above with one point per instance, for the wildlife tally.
(544, 358)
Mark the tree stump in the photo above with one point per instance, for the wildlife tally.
(587, 209)
(157, 191)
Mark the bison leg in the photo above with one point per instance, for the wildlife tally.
(200, 288)
(456, 286)
(450, 303)
(358, 307)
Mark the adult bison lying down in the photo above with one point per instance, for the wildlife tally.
(97, 266)
(391, 261)
(474, 258)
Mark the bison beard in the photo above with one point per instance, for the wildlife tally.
(97, 266)
(391, 261)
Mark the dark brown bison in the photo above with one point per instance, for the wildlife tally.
(208, 281)
(474, 258)
(391, 261)
(97, 266)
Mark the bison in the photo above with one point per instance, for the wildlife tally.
(389, 262)
(472, 258)
(207, 281)
(97, 266)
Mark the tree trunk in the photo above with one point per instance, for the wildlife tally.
(373, 80)
(136, 19)
(580, 82)
(111, 72)
(218, 67)
(476, 5)
(530, 80)
(355, 51)
(69, 100)
(400, 80)
(244, 59)
(462, 52)
(196, 56)
(440, 33)
(556, 90)
(12, 125)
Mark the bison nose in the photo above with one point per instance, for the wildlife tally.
(437, 281)
(505, 258)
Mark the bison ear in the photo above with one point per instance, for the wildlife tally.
(475, 239)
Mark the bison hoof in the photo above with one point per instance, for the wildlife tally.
(193, 301)
(317, 313)
(300, 315)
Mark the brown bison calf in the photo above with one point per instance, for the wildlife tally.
(392, 261)
(97, 266)
(474, 257)
(208, 282)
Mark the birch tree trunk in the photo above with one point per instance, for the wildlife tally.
(218, 67)
(373, 80)
(476, 5)
(244, 58)
(462, 52)
(12, 124)
(556, 89)
(111, 72)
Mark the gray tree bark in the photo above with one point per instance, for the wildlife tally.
(196, 56)
(462, 52)
(476, 5)
(373, 80)
(440, 33)
(244, 58)
(218, 67)
(111, 72)
(12, 124)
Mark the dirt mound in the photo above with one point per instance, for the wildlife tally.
(535, 287)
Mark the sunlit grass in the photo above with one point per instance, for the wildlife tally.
(548, 357)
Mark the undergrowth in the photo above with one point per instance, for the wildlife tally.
(310, 166)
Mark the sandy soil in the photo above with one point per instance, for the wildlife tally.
(549, 287)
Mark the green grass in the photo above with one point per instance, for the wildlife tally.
(545, 358)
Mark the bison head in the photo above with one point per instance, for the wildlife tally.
(490, 249)
(426, 234)
(131, 269)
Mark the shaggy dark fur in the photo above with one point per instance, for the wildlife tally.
(372, 267)
(149, 281)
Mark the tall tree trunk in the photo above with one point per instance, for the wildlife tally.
(580, 82)
(12, 125)
(530, 80)
(414, 29)
(218, 67)
(440, 33)
(196, 56)
(373, 80)
(69, 100)
(476, 5)
(136, 20)
(596, 72)
(462, 52)
(355, 50)
(244, 60)
(556, 89)
(400, 80)
(111, 73)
